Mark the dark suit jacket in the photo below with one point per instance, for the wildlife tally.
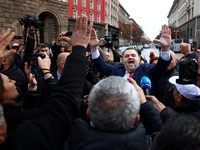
(153, 72)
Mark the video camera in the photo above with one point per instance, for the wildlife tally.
(188, 71)
(39, 55)
(108, 41)
(29, 21)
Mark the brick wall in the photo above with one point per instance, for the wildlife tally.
(12, 10)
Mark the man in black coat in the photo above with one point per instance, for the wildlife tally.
(114, 106)
(162, 89)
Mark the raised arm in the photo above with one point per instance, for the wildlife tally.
(149, 116)
(165, 38)
(5, 38)
(52, 128)
(164, 60)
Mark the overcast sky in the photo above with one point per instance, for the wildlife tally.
(149, 14)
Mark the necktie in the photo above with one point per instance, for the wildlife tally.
(130, 75)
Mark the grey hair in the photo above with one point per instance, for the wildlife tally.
(114, 105)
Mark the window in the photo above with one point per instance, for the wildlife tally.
(91, 17)
(83, 3)
(98, 6)
(98, 18)
(75, 2)
(75, 13)
(91, 4)
(83, 12)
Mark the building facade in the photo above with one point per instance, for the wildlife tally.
(94, 9)
(53, 13)
(60, 15)
(113, 12)
(123, 15)
(103, 13)
(185, 14)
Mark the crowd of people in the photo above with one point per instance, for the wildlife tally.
(76, 97)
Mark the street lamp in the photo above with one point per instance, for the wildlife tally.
(196, 19)
(107, 20)
(131, 36)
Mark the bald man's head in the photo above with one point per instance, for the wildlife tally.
(61, 59)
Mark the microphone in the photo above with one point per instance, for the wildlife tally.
(145, 84)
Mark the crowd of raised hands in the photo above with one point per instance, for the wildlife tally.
(68, 85)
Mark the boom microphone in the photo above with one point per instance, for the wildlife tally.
(145, 84)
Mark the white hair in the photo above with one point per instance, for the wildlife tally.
(114, 105)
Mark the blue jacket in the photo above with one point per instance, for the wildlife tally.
(153, 72)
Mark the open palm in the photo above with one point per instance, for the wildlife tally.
(165, 38)
(5, 38)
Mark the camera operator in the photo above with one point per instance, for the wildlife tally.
(107, 44)
(186, 93)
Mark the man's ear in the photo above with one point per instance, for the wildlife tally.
(137, 120)
(88, 113)
(62, 64)
(179, 98)
(122, 59)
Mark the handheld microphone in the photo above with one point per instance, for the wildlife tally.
(145, 84)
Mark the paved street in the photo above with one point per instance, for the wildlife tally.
(146, 52)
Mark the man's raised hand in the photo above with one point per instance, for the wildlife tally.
(82, 32)
(5, 38)
(165, 38)
(94, 41)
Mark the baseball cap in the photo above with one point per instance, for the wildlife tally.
(15, 45)
(189, 91)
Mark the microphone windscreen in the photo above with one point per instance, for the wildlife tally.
(145, 82)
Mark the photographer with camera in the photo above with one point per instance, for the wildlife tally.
(107, 43)
(56, 48)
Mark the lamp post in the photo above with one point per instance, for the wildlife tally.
(131, 36)
(196, 19)
(107, 20)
